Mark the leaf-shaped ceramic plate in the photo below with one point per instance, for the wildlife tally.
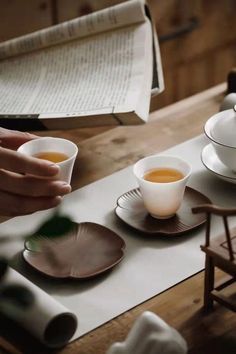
(131, 210)
(88, 250)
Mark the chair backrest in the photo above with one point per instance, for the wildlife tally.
(210, 209)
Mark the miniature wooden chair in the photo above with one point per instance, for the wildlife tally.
(220, 253)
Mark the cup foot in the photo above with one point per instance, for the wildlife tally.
(162, 217)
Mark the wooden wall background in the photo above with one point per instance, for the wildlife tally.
(197, 37)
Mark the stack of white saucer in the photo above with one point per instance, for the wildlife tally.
(219, 156)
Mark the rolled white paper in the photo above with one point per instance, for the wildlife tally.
(46, 319)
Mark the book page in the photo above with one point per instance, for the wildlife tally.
(121, 15)
(102, 73)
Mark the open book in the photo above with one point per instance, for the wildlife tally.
(99, 69)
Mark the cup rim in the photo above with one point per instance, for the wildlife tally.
(208, 126)
(30, 142)
(164, 156)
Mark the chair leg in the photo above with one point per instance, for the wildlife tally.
(208, 283)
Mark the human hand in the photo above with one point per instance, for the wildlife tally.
(27, 184)
(12, 139)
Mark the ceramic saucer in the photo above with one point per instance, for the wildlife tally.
(88, 250)
(211, 161)
(131, 210)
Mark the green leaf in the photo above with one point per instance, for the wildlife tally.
(55, 226)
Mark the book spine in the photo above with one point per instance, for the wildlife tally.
(21, 122)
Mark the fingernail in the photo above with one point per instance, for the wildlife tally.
(54, 168)
(65, 188)
(57, 200)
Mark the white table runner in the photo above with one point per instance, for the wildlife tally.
(151, 265)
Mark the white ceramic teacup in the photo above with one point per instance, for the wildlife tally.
(162, 200)
(221, 131)
(59, 145)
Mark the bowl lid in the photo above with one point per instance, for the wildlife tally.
(223, 129)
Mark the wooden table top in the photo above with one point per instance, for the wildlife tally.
(104, 151)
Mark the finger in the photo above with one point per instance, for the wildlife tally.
(27, 185)
(20, 163)
(12, 139)
(14, 205)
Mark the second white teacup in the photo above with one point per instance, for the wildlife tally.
(162, 195)
(63, 150)
(221, 131)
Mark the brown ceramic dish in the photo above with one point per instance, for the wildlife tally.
(131, 210)
(88, 250)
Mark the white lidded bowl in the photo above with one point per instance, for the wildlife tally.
(221, 131)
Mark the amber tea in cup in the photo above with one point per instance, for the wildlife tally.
(52, 156)
(163, 175)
